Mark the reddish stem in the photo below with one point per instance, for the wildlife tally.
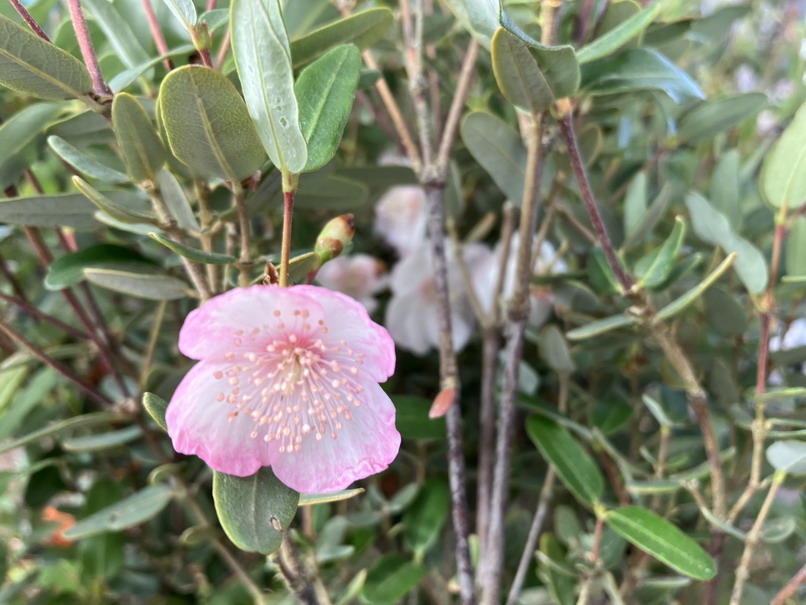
(26, 16)
(99, 86)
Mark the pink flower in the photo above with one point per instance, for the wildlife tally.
(287, 378)
(358, 276)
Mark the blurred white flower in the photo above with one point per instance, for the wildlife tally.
(400, 218)
(766, 122)
(794, 337)
(746, 78)
(412, 318)
(486, 279)
(359, 276)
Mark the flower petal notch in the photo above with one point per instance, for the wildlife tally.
(287, 378)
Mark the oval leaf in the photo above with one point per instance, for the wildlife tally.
(662, 540)
(32, 66)
(102, 441)
(152, 287)
(263, 59)
(142, 149)
(783, 176)
(207, 124)
(573, 464)
(788, 456)
(156, 408)
(68, 270)
(325, 91)
(249, 508)
(85, 163)
(134, 510)
(184, 10)
(711, 117)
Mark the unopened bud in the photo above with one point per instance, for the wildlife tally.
(334, 238)
(201, 36)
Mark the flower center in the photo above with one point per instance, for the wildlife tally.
(290, 381)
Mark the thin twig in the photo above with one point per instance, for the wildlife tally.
(285, 250)
(791, 587)
(86, 387)
(153, 338)
(294, 573)
(32, 310)
(584, 593)
(26, 16)
(87, 51)
(156, 33)
(223, 51)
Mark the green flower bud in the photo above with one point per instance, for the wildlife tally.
(334, 238)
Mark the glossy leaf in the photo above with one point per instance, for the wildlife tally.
(85, 163)
(129, 512)
(63, 210)
(112, 208)
(184, 11)
(325, 92)
(783, 176)
(500, 151)
(390, 578)
(712, 116)
(639, 69)
(139, 144)
(425, 517)
(68, 270)
(139, 285)
(250, 508)
(713, 228)
(362, 29)
(657, 266)
(207, 124)
(194, 254)
(156, 408)
(619, 35)
(32, 66)
(656, 536)
(573, 465)
(263, 58)
(788, 456)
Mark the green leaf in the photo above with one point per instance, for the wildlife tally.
(85, 163)
(712, 116)
(249, 508)
(411, 418)
(177, 202)
(649, 218)
(600, 273)
(500, 151)
(113, 209)
(681, 303)
(215, 18)
(18, 134)
(32, 66)
(662, 540)
(725, 312)
(345, 494)
(390, 578)
(300, 266)
(551, 557)
(129, 512)
(102, 441)
(263, 59)
(601, 326)
(194, 254)
(362, 29)
(788, 456)
(207, 124)
(64, 210)
(10, 381)
(425, 517)
(573, 465)
(713, 228)
(156, 408)
(85, 420)
(118, 32)
(657, 266)
(139, 144)
(330, 192)
(619, 35)
(724, 192)
(184, 11)
(554, 350)
(68, 270)
(152, 287)
(639, 69)
(635, 202)
(24, 400)
(796, 247)
(125, 78)
(325, 92)
(783, 176)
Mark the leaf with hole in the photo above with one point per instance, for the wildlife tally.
(263, 59)
(254, 510)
